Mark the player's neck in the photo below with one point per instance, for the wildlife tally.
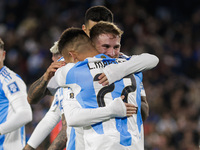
(86, 54)
(92, 53)
(89, 51)
(1, 66)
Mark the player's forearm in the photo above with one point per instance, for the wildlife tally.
(144, 108)
(17, 120)
(137, 63)
(140, 63)
(45, 127)
(21, 116)
(37, 90)
(60, 142)
(88, 117)
(61, 139)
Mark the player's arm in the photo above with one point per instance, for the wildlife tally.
(22, 115)
(73, 110)
(61, 139)
(15, 91)
(137, 63)
(80, 117)
(144, 108)
(45, 126)
(144, 103)
(39, 88)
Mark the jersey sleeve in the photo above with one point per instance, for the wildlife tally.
(50, 120)
(61, 74)
(77, 116)
(14, 88)
(57, 105)
(15, 91)
(137, 63)
(45, 126)
(52, 85)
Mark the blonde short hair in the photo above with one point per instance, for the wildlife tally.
(104, 27)
(1, 44)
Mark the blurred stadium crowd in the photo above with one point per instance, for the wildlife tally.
(170, 29)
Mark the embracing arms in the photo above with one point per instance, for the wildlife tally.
(39, 88)
(22, 115)
(137, 63)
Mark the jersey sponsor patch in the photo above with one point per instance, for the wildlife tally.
(13, 87)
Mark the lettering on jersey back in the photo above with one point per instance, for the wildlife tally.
(103, 63)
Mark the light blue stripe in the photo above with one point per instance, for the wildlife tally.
(80, 74)
(22, 136)
(4, 104)
(98, 128)
(18, 76)
(122, 127)
(72, 145)
(2, 69)
(5, 73)
(121, 124)
(3, 110)
(61, 59)
(2, 139)
(138, 78)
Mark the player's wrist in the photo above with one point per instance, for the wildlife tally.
(46, 77)
(117, 108)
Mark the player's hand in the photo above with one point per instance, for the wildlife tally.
(130, 109)
(103, 80)
(52, 69)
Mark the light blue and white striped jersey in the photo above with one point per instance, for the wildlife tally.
(74, 135)
(113, 134)
(58, 96)
(57, 101)
(11, 87)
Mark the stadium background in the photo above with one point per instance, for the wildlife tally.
(169, 29)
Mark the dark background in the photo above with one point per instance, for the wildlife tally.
(170, 29)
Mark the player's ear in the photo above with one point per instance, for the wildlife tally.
(73, 55)
(84, 28)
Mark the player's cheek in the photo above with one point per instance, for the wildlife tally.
(117, 51)
(105, 51)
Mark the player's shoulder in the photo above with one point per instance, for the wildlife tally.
(7, 75)
(61, 73)
(98, 57)
(65, 68)
(12, 82)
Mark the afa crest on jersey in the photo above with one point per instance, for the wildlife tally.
(13, 87)
(71, 95)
